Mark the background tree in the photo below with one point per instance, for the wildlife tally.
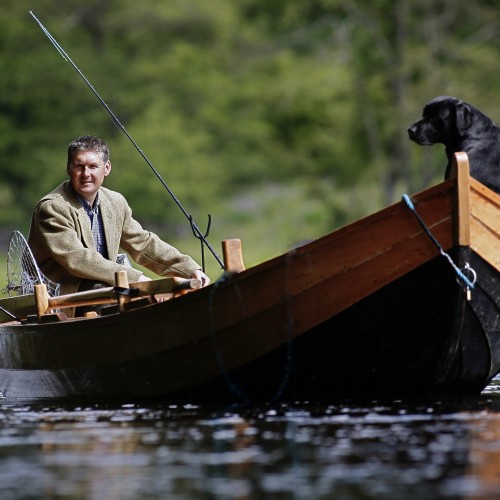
(283, 119)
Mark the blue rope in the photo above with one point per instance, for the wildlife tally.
(468, 283)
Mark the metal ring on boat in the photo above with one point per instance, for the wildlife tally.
(472, 275)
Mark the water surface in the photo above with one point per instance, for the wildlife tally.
(428, 449)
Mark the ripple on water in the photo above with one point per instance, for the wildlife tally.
(301, 450)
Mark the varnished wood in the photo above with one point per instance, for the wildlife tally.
(233, 255)
(485, 223)
(41, 300)
(463, 199)
(88, 297)
(107, 295)
(165, 285)
(121, 281)
(23, 306)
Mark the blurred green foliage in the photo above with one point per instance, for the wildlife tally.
(282, 118)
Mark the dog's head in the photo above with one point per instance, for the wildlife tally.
(445, 120)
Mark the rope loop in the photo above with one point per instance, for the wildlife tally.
(462, 279)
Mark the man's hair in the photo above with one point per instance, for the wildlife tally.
(88, 143)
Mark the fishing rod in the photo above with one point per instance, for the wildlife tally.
(196, 231)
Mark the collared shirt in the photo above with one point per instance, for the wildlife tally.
(96, 224)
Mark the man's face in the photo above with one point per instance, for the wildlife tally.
(86, 172)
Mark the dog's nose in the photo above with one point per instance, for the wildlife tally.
(412, 132)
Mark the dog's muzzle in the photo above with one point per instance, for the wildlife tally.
(412, 133)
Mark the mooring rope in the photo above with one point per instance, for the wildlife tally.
(461, 276)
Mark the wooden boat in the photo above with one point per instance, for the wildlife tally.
(404, 302)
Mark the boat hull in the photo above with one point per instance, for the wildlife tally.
(368, 350)
(377, 308)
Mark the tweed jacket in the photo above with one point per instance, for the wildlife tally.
(63, 246)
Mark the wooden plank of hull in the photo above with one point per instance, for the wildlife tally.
(324, 274)
(485, 223)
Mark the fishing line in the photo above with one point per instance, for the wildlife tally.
(197, 232)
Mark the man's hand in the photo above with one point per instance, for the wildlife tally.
(200, 275)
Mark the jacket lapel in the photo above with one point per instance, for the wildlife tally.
(85, 228)
(83, 218)
(109, 223)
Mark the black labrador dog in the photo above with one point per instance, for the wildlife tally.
(461, 127)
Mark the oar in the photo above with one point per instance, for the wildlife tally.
(109, 295)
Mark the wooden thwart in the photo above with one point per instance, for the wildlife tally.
(19, 307)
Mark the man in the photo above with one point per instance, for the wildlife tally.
(78, 229)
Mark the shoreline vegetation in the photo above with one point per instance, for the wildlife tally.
(283, 120)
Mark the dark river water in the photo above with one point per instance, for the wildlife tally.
(429, 449)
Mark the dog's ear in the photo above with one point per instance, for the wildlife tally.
(463, 116)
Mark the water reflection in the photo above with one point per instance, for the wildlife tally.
(428, 449)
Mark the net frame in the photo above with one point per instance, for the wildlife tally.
(23, 272)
